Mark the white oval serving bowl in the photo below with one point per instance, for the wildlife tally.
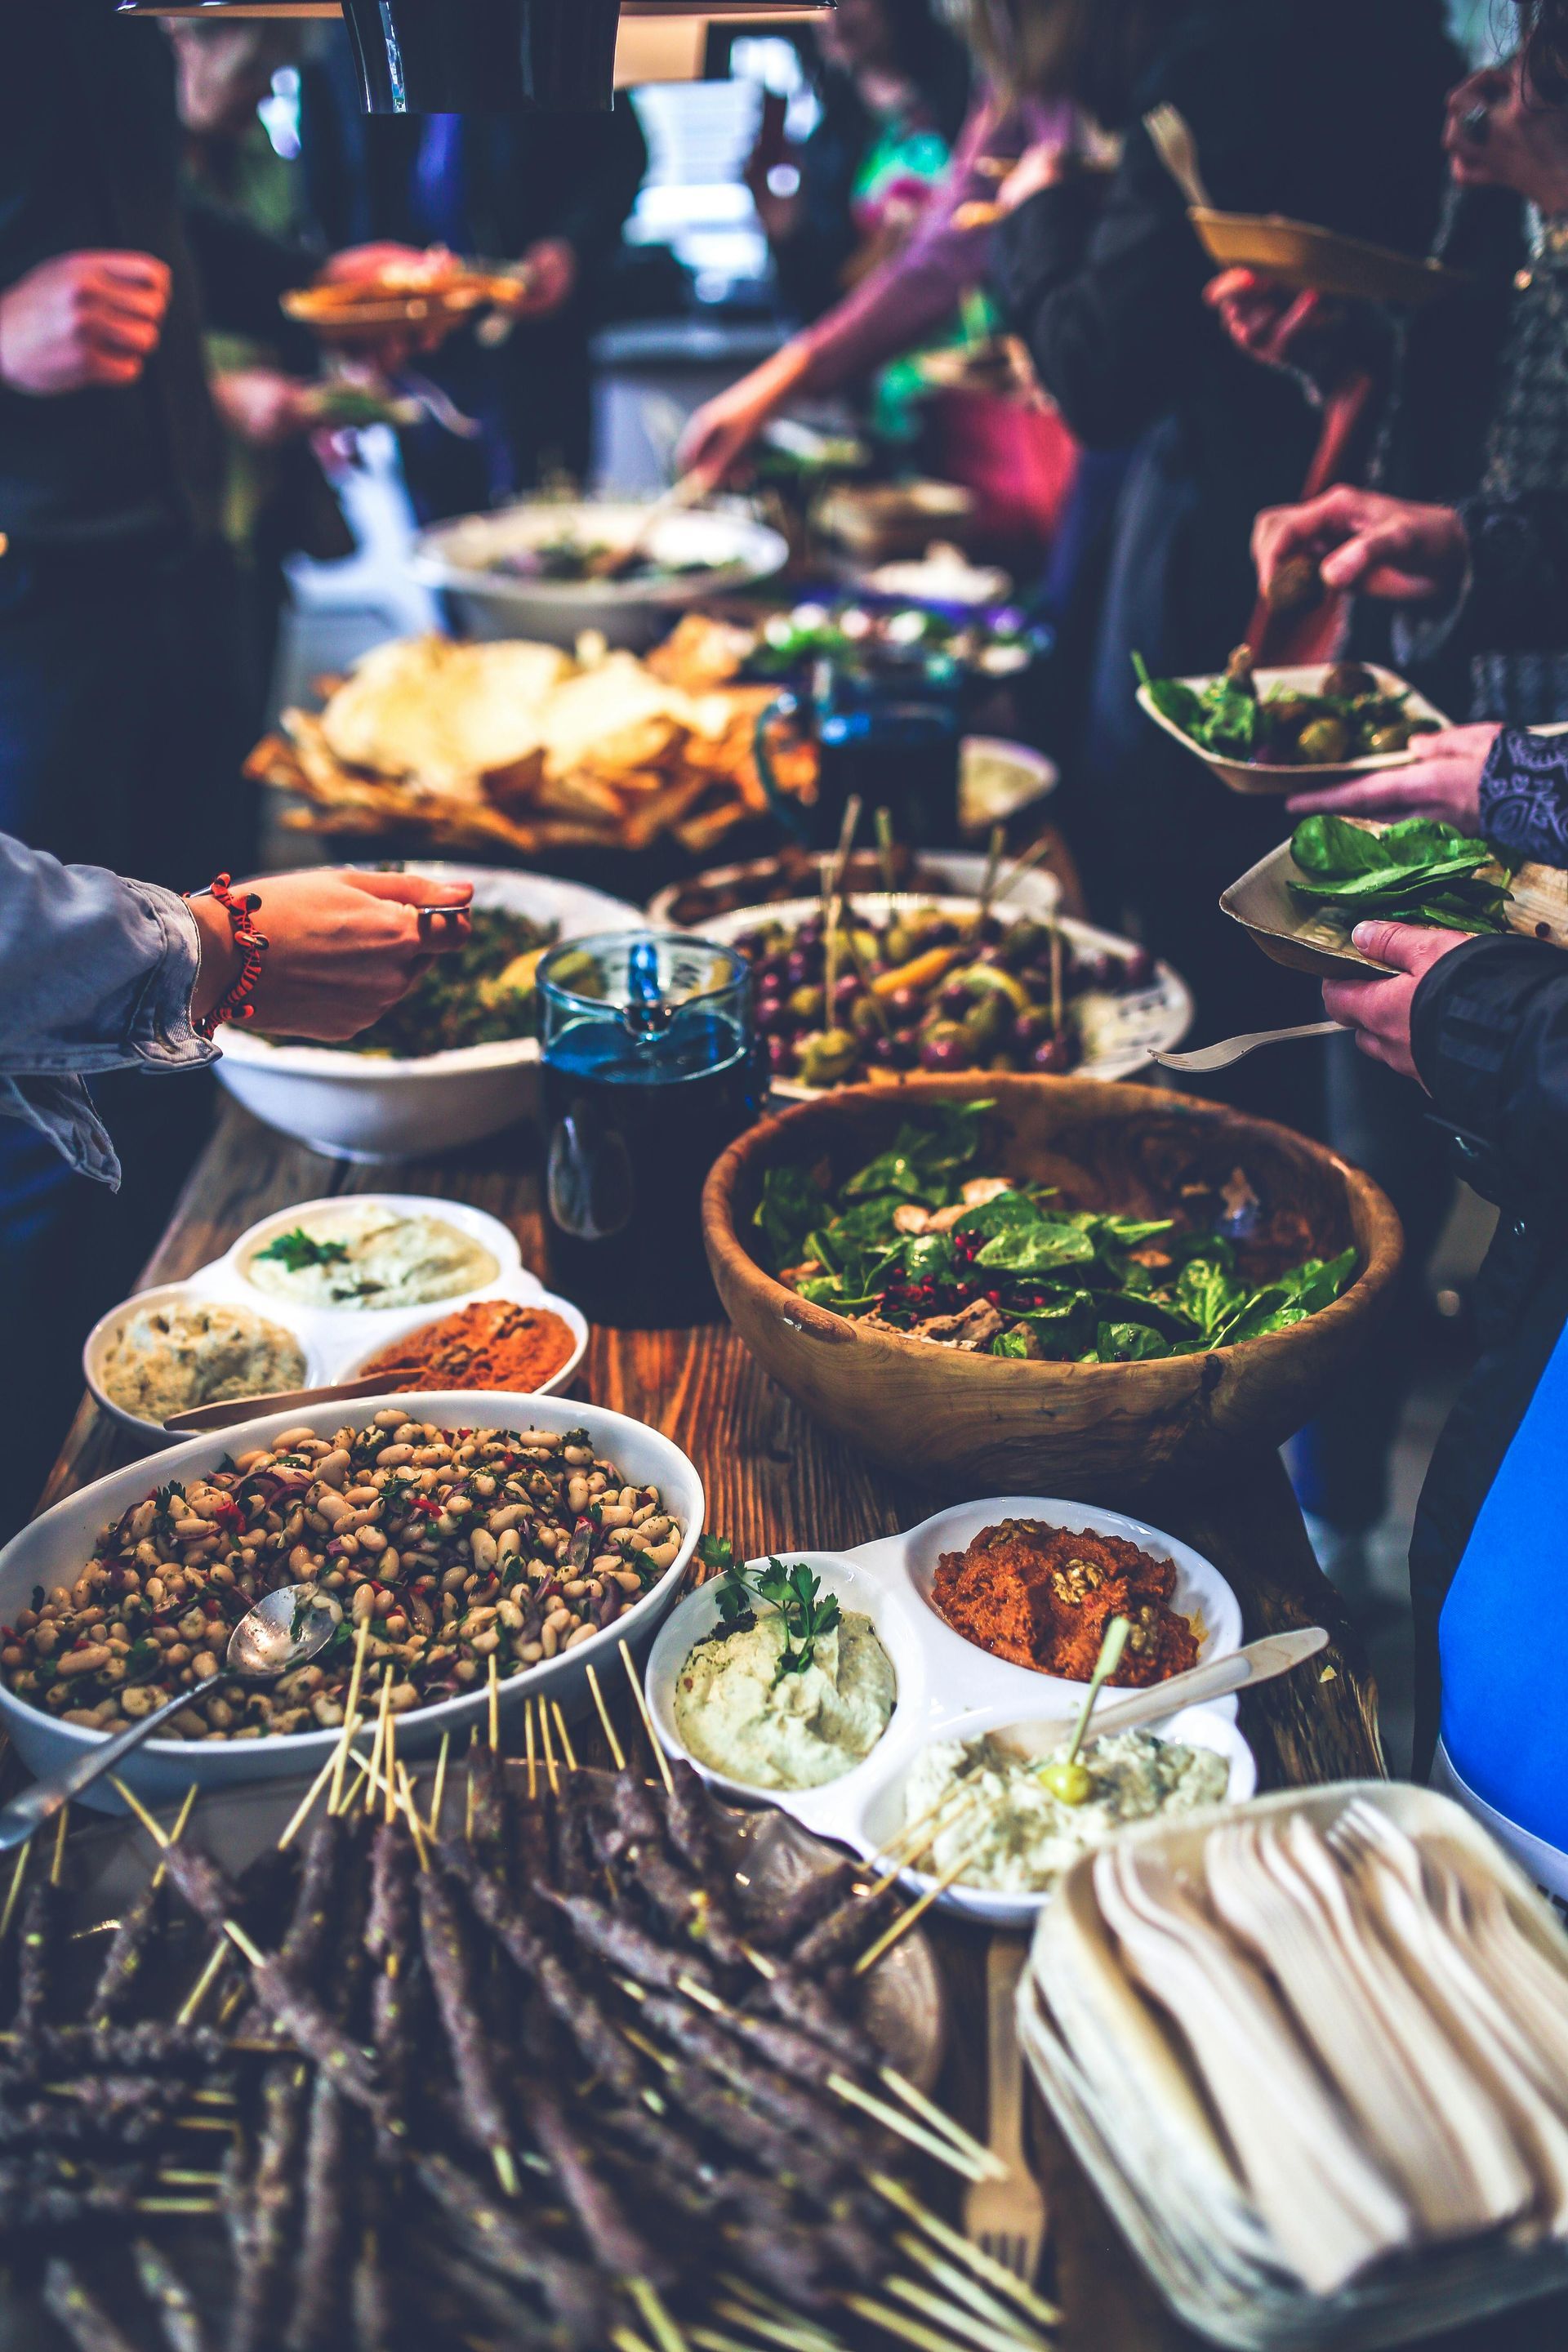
(55, 1549)
(1129, 1028)
(337, 1342)
(958, 871)
(457, 558)
(365, 1106)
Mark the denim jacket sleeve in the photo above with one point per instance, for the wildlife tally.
(96, 974)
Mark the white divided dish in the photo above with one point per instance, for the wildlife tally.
(336, 1342)
(949, 1687)
(56, 1547)
(1121, 1032)
(368, 1107)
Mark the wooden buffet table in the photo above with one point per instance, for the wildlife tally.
(775, 1479)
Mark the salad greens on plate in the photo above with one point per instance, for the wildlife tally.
(1417, 871)
(917, 1241)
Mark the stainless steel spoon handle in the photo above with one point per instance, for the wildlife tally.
(39, 1804)
(1236, 1049)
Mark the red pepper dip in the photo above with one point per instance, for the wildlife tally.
(493, 1344)
(1043, 1597)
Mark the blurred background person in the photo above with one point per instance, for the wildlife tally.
(277, 500)
(892, 83)
(550, 191)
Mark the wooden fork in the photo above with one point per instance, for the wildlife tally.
(1006, 2218)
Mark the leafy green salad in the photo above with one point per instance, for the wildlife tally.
(1417, 871)
(917, 1241)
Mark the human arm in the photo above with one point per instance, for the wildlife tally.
(80, 322)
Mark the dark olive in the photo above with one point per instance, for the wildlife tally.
(1055, 1054)
(1346, 680)
(1323, 739)
(1296, 585)
(946, 1048)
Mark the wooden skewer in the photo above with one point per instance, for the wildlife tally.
(1059, 1007)
(382, 1713)
(891, 2119)
(412, 1810)
(351, 1711)
(433, 1826)
(302, 1810)
(177, 1833)
(389, 1770)
(906, 1920)
(888, 2316)
(1002, 2280)
(659, 1757)
(936, 1824)
(58, 1863)
(756, 2311)
(956, 2283)
(938, 2118)
(883, 820)
(627, 2339)
(469, 1789)
(155, 1829)
(15, 1887)
(650, 2304)
(617, 1753)
(203, 1983)
(532, 1762)
(495, 1701)
(983, 2333)
(549, 1751)
(561, 1734)
(1020, 866)
(992, 866)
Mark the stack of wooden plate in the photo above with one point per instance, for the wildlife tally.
(1314, 2052)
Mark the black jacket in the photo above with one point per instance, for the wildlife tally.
(1327, 111)
(1490, 1033)
(90, 157)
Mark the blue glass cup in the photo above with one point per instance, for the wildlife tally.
(649, 1074)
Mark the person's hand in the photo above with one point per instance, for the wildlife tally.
(81, 321)
(1274, 324)
(1443, 780)
(1363, 542)
(1498, 134)
(552, 267)
(721, 432)
(1044, 165)
(1378, 1010)
(264, 407)
(343, 946)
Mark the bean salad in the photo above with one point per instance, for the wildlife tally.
(457, 1545)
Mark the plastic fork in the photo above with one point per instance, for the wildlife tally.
(1006, 2218)
(1203, 1058)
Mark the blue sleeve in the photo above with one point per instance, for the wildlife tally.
(1524, 796)
(96, 974)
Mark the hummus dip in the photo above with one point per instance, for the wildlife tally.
(362, 1256)
(797, 1732)
(1018, 1836)
(164, 1359)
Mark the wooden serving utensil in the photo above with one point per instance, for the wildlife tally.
(615, 563)
(237, 1408)
(1254, 1662)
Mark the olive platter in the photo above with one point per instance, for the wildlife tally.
(1329, 755)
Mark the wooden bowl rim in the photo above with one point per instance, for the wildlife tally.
(1384, 1251)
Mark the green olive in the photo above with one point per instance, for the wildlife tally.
(806, 1003)
(825, 1060)
(1388, 738)
(898, 945)
(1070, 1784)
(1324, 739)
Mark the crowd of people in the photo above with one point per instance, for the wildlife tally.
(141, 225)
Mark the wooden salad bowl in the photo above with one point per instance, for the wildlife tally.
(972, 1423)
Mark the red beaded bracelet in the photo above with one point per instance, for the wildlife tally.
(234, 1003)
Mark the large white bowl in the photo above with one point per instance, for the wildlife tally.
(457, 558)
(363, 1106)
(56, 1547)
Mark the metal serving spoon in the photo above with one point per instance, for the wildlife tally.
(1236, 1049)
(286, 1630)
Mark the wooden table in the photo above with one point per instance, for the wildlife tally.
(775, 1479)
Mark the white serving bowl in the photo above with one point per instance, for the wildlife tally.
(318, 1371)
(56, 1547)
(457, 558)
(363, 1106)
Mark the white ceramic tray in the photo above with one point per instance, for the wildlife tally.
(56, 1546)
(1130, 1029)
(948, 1687)
(337, 1342)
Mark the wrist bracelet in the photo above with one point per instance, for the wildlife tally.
(234, 1004)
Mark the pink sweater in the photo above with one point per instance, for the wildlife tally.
(901, 302)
